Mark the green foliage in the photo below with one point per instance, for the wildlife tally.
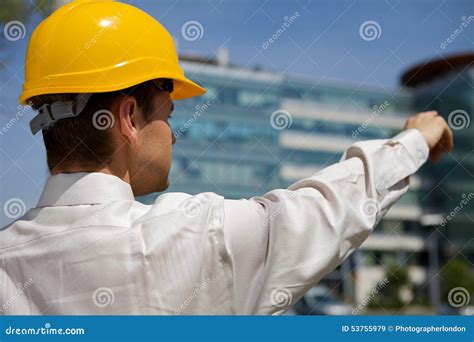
(456, 273)
(389, 297)
(13, 10)
(22, 9)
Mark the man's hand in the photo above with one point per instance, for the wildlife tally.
(436, 131)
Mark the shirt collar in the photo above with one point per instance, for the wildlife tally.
(84, 188)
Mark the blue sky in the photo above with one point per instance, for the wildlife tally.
(328, 32)
(323, 42)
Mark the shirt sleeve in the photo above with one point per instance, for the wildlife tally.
(282, 243)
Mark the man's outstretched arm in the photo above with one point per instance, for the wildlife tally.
(282, 243)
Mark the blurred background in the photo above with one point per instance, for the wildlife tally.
(290, 85)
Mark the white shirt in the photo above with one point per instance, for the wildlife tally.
(90, 248)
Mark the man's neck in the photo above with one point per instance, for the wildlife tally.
(125, 176)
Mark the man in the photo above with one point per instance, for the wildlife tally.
(102, 76)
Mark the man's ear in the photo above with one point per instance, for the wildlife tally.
(127, 108)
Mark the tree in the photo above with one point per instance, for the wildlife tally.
(391, 295)
(22, 9)
(456, 273)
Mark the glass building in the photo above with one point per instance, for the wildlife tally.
(447, 85)
(254, 131)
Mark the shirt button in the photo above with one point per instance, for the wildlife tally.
(420, 154)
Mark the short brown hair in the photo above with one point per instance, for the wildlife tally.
(76, 141)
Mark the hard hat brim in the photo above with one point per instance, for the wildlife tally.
(114, 77)
(183, 88)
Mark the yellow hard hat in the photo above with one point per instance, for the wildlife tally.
(93, 46)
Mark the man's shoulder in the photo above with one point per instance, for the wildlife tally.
(185, 204)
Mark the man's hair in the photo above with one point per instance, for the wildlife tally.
(78, 141)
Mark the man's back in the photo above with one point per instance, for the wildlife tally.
(90, 250)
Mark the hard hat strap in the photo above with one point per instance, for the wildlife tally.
(48, 114)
